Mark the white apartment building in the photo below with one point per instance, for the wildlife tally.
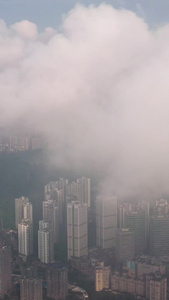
(45, 243)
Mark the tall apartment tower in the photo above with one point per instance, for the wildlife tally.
(25, 237)
(135, 215)
(57, 283)
(84, 190)
(77, 229)
(5, 271)
(60, 204)
(124, 244)
(136, 222)
(51, 215)
(28, 211)
(31, 289)
(19, 203)
(45, 243)
(106, 221)
(159, 233)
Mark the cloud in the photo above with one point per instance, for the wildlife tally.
(98, 90)
(26, 30)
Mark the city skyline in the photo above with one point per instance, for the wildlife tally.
(84, 143)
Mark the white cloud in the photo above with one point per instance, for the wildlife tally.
(98, 89)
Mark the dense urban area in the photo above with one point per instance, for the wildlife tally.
(60, 239)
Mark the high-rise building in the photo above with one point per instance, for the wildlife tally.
(45, 243)
(159, 233)
(80, 189)
(124, 244)
(60, 204)
(19, 202)
(25, 237)
(84, 190)
(51, 215)
(5, 271)
(132, 213)
(106, 221)
(28, 211)
(77, 229)
(31, 289)
(135, 221)
(57, 283)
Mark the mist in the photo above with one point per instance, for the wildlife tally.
(97, 89)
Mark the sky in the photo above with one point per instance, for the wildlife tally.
(49, 13)
(94, 80)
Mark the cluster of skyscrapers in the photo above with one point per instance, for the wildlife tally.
(127, 228)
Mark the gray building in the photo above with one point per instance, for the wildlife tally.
(45, 242)
(136, 222)
(5, 271)
(159, 233)
(31, 289)
(106, 221)
(77, 229)
(19, 203)
(25, 237)
(51, 215)
(124, 244)
(57, 282)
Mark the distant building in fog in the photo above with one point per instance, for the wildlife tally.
(51, 215)
(83, 190)
(45, 243)
(159, 233)
(31, 289)
(136, 222)
(28, 211)
(57, 282)
(77, 229)
(5, 271)
(19, 203)
(106, 221)
(25, 237)
(124, 244)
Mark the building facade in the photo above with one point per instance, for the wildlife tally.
(106, 221)
(25, 237)
(19, 202)
(159, 234)
(124, 244)
(57, 283)
(5, 271)
(136, 222)
(77, 229)
(51, 215)
(102, 278)
(31, 289)
(45, 243)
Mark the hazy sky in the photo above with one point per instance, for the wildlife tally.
(50, 12)
(97, 87)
